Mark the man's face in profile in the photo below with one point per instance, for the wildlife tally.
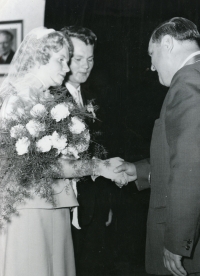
(160, 61)
(5, 43)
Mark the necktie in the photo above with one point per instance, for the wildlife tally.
(78, 99)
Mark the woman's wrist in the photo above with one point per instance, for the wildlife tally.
(95, 162)
(77, 168)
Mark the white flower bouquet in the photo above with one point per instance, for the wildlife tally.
(30, 144)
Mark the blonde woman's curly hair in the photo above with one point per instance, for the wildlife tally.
(53, 42)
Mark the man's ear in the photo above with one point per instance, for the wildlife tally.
(168, 42)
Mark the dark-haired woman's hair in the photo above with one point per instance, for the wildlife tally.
(178, 27)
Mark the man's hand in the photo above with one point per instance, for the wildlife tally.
(173, 263)
(129, 169)
(106, 168)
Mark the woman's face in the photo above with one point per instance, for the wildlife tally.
(53, 73)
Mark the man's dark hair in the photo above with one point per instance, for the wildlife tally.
(179, 28)
(7, 33)
(84, 34)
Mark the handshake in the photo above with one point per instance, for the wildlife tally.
(115, 169)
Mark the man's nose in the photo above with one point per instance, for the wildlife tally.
(153, 68)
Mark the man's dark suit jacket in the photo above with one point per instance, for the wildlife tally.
(9, 58)
(94, 205)
(174, 211)
(88, 190)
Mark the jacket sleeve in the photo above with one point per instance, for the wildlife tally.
(183, 136)
(143, 174)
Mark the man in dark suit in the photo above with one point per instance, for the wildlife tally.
(6, 52)
(90, 217)
(173, 244)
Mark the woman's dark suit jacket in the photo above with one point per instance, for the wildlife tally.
(174, 211)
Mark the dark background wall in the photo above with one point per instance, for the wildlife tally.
(128, 93)
(125, 88)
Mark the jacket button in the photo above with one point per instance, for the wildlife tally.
(187, 247)
(189, 241)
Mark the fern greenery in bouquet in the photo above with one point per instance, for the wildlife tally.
(31, 142)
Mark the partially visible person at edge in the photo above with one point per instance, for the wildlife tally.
(94, 199)
(38, 241)
(173, 244)
(6, 43)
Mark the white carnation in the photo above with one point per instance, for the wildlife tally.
(81, 147)
(90, 108)
(59, 142)
(44, 144)
(76, 126)
(34, 127)
(17, 131)
(86, 135)
(70, 150)
(60, 112)
(38, 111)
(22, 145)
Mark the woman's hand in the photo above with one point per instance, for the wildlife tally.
(106, 168)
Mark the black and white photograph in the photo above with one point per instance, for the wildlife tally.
(11, 34)
(100, 138)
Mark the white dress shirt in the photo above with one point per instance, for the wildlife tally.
(189, 57)
(75, 93)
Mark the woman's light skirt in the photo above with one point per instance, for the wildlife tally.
(38, 242)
